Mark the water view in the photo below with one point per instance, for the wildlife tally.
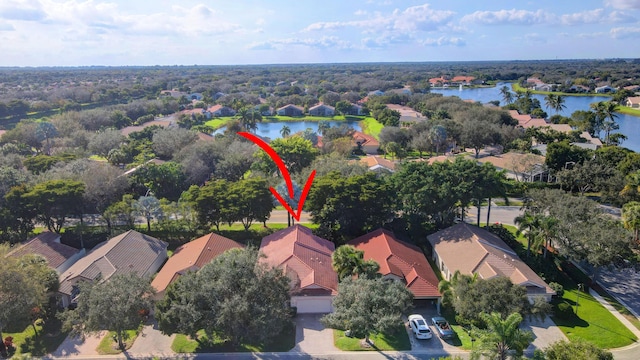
(272, 129)
(629, 125)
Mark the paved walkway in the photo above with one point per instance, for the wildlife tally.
(152, 342)
(74, 346)
(545, 332)
(312, 337)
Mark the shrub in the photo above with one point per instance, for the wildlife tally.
(564, 310)
(559, 289)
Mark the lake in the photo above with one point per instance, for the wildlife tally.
(629, 125)
(272, 129)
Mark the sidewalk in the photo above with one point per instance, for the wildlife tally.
(615, 313)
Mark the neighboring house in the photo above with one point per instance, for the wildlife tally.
(462, 80)
(439, 81)
(402, 91)
(526, 121)
(633, 102)
(534, 81)
(130, 252)
(400, 261)
(579, 88)
(196, 96)
(173, 93)
(520, 166)
(218, 95)
(162, 123)
(191, 256)
(375, 93)
(356, 110)
(590, 139)
(471, 250)
(205, 137)
(219, 110)
(633, 88)
(47, 244)
(290, 110)
(322, 110)
(604, 89)
(377, 163)
(306, 260)
(543, 87)
(267, 112)
(367, 143)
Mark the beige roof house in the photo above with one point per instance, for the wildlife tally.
(378, 163)
(47, 244)
(526, 121)
(130, 252)
(306, 259)
(192, 256)
(470, 250)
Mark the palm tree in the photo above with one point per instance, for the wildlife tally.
(559, 105)
(548, 231)
(550, 101)
(502, 339)
(529, 223)
(609, 112)
(507, 95)
(285, 131)
(322, 127)
(631, 217)
(348, 261)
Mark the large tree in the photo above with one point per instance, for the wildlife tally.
(231, 297)
(251, 201)
(575, 349)
(296, 153)
(346, 207)
(115, 305)
(55, 200)
(502, 339)
(367, 306)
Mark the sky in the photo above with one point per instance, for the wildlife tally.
(230, 32)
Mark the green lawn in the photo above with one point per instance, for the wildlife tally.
(217, 123)
(592, 322)
(397, 341)
(371, 126)
(27, 343)
(183, 344)
(109, 346)
(628, 110)
(517, 87)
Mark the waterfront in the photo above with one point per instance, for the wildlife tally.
(629, 125)
(272, 130)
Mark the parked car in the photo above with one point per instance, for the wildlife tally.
(419, 327)
(442, 326)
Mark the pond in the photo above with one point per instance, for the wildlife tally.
(629, 125)
(272, 130)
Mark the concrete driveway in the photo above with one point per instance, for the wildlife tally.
(151, 342)
(545, 332)
(435, 344)
(312, 337)
(74, 346)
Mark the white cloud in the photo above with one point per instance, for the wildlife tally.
(513, 16)
(444, 41)
(324, 42)
(415, 18)
(625, 32)
(25, 10)
(623, 4)
(6, 27)
(590, 35)
(618, 17)
(535, 38)
(584, 17)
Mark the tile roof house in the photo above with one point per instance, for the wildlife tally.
(520, 166)
(290, 110)
(191, 256)
(47, 244)
(126, 253)
(526, 121)
(378, 163)
(219, 110)
(633, 102)
(162, 123)
(400, 261)
(470, 249)
(367, 143)
(306, 259)
(322, 110)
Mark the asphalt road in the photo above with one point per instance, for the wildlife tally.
(499, 214)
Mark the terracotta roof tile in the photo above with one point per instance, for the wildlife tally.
(192, 256)
(297, 250)
(401, 259)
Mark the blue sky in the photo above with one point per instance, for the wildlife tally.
(161, 32)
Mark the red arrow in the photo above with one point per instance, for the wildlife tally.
(285, 174)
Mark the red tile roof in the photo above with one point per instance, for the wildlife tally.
(365, 139)
(526, 121)
(192, 256)
(47, 245)
(401, 259)
(304, 257)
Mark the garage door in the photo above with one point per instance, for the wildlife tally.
(308, 305)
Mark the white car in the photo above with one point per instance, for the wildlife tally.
(419, 327)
